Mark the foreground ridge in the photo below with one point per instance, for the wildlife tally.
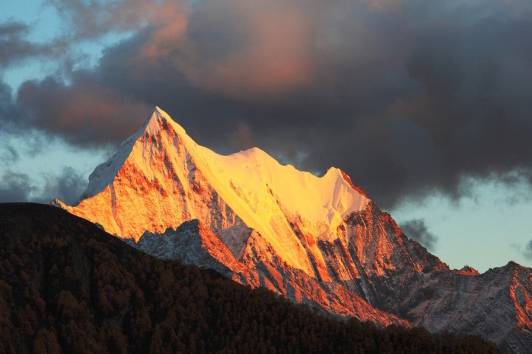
(68, 287)
(315, 240)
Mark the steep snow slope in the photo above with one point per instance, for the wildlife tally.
(160, 178)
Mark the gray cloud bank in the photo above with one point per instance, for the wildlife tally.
(418, 230)
(19, 187)
(409, 97)
(528, 250)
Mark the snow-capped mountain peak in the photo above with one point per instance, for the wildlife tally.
(163, 175)
(314, 239)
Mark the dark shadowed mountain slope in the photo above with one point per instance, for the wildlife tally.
(68, 287)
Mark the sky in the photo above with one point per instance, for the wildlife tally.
(426, 105)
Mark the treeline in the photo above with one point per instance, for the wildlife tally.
(68, 287)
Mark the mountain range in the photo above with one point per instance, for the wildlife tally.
(319, 241)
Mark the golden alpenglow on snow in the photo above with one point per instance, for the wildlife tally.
(315, 240)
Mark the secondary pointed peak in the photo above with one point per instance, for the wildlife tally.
(332, 170)
(348, 180)
(256, 152)
(467, 270)
(161, 120)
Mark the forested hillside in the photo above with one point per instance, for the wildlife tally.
(68, 287)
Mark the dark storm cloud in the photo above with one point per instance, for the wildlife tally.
(8, 109)
(19, 187)
(417, 230)
(15, 47)
(93, 19)
(85, 112)
(528, 250)
(8, 154)
(409, 97)
(67, 186)
(15, 187)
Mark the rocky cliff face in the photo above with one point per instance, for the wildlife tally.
(316, 240)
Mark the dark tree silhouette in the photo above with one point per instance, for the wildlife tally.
(68, 287)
